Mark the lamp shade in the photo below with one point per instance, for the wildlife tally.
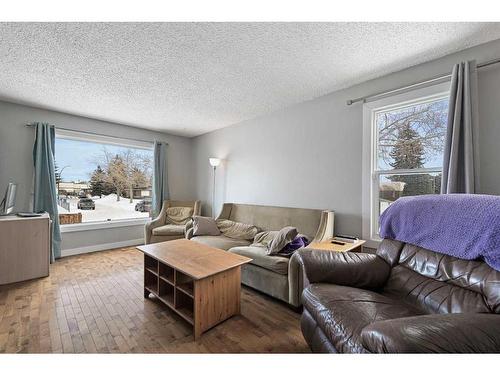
(214, 162)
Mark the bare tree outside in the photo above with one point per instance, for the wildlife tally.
(410, 138)
(103, 181)
(427, 121)
(124, 170)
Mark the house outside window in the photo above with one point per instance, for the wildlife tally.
(102, 179)
(404, 139)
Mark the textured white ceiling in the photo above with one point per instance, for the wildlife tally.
(191, 78)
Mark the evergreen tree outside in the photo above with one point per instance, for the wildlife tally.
(97, 183)
(408, 153)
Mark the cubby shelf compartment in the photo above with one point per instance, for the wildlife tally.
(173, 288)
(186, 288)
(151, 282)
(167, 273)
(184, 306)
(184, 283)
(151, 264)
(166, 293)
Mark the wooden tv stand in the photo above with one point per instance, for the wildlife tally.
(200, 283)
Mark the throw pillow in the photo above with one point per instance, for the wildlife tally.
(205, 226)
(179, 215)
(239, 231)
(282, 238)
(263, 239)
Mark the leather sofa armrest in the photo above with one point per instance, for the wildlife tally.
(438, 333)
(360, 270)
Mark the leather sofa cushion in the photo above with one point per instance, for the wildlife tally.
(342, 312)
(220, 242)
(436, 333)
(431, 295)
(260, 258)
(169, 230)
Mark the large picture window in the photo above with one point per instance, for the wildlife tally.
(407, 143)
(99, 180)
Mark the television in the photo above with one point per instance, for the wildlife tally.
(9, 200)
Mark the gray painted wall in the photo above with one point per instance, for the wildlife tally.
(310, 155)
(16, 143)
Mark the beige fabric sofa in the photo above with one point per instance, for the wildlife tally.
(277, 276)
(163, 229)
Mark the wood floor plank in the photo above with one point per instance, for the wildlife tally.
(94, 303)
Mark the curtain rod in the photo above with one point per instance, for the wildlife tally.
(30, 125)
(403, 89)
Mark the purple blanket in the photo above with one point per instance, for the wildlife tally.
(465, 226)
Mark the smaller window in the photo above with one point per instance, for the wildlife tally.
(406, 141)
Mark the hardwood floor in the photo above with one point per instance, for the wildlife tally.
(93, 303)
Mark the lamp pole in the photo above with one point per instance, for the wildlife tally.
(214, 162)
(213, 194)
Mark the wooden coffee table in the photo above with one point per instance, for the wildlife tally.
(200, 283)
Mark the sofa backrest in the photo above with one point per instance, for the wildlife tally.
(438, 283)
(196, 205)
(307, 221)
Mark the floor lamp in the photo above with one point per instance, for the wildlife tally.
(214, 162)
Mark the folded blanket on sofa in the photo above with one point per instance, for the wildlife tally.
(465, 226)
(239, 231)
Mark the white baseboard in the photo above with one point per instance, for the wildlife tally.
(104, 246)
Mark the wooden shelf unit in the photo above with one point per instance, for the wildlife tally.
(172, 287)
(200, 283)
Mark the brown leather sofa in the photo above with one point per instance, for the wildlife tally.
(403, 299)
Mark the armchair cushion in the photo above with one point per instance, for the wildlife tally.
(168, 230)
(342, 312)
(359, 270)
(179, 215)
(438, 333)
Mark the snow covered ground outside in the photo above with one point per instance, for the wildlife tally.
(106, 208)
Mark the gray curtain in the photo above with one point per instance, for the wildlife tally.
(45, 195)
(461, 153)
(160, 180)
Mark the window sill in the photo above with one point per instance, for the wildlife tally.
(102, 225)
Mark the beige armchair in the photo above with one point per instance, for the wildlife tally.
(172, 221)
